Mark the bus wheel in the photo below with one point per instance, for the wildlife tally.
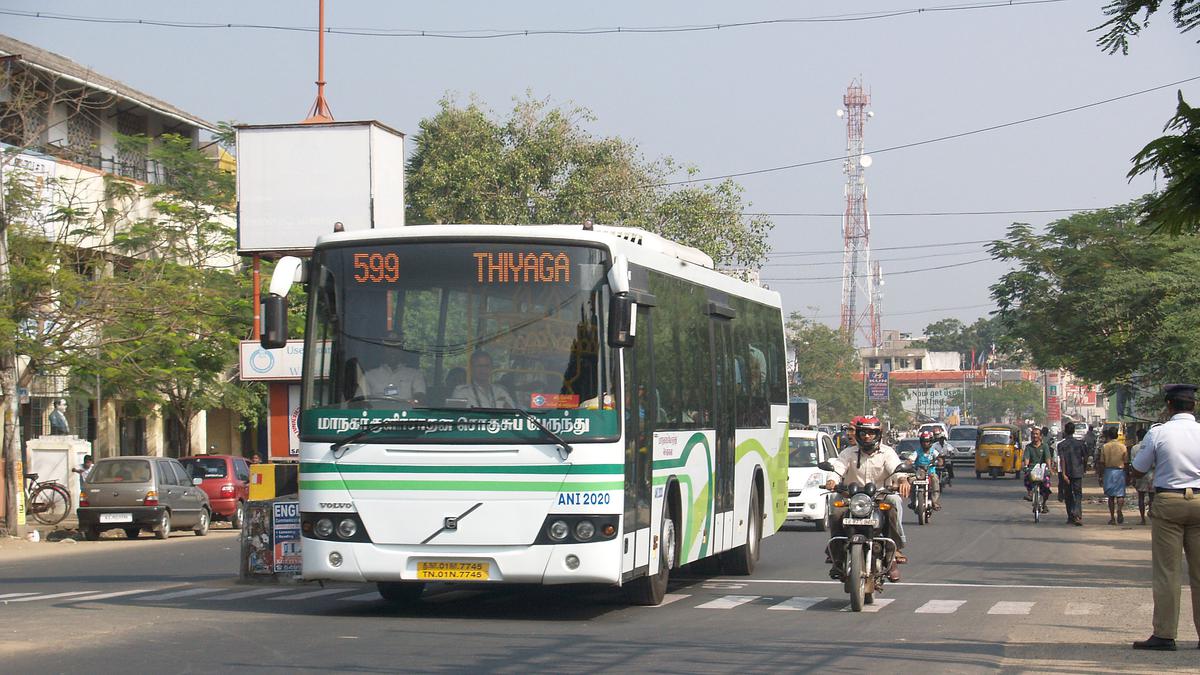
(744, 558)
(401, 592)
(650, 590)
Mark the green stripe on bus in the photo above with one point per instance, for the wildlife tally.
(557, 470)
(458, 486)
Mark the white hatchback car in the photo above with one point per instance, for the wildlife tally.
(807, 501)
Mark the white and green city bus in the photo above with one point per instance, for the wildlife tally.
(642, 422)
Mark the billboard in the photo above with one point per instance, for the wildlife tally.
(877, 386)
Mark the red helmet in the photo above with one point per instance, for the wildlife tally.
(925, 435)
(867, 423)
(870, 424)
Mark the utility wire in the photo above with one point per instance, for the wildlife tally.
(880, 260)
(911, 312)
(904, 146)
(493, 33)
(1008, 212)
(840, 277)
(788, 254)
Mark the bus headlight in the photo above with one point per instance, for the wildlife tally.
(347, 528)
(558, 530)
(584, 530)
(323, 528)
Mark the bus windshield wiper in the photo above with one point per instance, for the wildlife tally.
(564, 446)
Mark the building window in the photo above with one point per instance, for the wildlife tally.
(131, 152)
(917, 364)
(83, 138)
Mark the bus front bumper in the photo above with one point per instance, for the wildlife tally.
(596, 562)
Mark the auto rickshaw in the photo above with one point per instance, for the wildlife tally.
(998, 451)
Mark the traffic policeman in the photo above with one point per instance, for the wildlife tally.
(1172, 449)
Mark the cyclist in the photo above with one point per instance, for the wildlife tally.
(926, 457)
(1036, 453)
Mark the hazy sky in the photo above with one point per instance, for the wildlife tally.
(724, 101)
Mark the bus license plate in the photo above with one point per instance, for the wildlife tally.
(116, 517)
(858, 521)
(452, 571)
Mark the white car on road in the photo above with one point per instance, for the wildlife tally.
(807, 501)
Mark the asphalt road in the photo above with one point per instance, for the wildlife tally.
(987, 589)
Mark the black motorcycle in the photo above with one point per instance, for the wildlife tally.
(922, 499)
(867, 553)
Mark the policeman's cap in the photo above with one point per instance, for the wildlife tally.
(1180, 392)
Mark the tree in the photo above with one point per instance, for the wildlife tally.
(826, 365)
(541, 166)
(1176, 156)
(1103, 296)
(1009, 402)
(179, 264)
(944, 336)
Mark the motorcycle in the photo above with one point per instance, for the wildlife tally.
(946, 471)
(867, 554)
(921, 503)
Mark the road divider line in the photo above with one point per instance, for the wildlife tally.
(115, 594)
(879, 604)
(728, 602)
(1010, 607)
(52, 596)
(797, 604)
(940, 607)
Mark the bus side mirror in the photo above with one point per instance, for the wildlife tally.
(620, 321)
(274, 322)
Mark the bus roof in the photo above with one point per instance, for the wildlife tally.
(639, 246)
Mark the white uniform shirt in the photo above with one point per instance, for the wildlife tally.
(1172, 449)
(400, 382)
(875, 468)
(484, 395)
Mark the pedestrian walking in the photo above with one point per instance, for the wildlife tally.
(1110, 471)
(1172, 450)
(1144, 484)
(1072, 460)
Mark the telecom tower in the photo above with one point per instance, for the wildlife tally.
(858, 275)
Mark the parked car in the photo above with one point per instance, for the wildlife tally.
(226, 481)
(963, 437)
(907, 447)
(807, 501)
(142, 493)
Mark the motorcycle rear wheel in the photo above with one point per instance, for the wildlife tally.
(857, 580)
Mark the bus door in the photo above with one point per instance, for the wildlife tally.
(640, 412)
(725, 424)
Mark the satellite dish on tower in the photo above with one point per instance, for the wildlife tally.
(840, 112)
(864, 161)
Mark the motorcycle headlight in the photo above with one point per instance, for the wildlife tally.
(860, 505)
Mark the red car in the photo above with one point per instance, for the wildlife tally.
(226, 482)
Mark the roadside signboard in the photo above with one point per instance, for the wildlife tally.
(877, 385)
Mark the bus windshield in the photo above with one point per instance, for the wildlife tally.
(421, 333)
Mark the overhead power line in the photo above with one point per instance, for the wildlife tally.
(500, 33)
(1007, 212)
(910, 312)
(934, 245)
(926, 256)
(890, 274)
(893, 148)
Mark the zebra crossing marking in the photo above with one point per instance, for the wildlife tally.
(879, 604)
(239, 595)
(312, 594)
(115, 594)
(728, 602)
(185, 593)
(797, 604)
(15, 595)
(1010, 607)
(940, 607)
(363, 597)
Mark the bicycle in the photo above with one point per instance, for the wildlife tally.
(47, 502)
(1037, 478)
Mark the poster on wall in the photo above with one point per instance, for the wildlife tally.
(293, 420)
(286, 536)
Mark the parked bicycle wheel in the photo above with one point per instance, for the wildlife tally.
(49, 504)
